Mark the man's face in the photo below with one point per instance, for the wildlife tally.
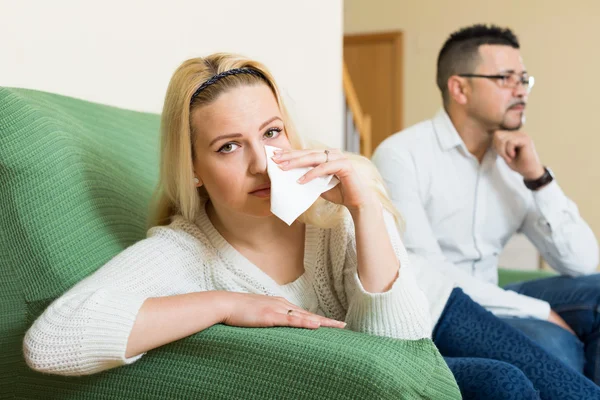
(496, 103)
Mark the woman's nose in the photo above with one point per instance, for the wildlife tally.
(258, 160)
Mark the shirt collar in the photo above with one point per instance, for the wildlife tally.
(446, 132)
(449, 138)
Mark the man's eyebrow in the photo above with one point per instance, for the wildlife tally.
(512, 71)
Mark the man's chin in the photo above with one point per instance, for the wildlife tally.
(513, 125)
(510, 127)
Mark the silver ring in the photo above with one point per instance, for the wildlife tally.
(326, 155)
(290, 312)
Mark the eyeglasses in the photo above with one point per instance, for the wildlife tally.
(509, 81)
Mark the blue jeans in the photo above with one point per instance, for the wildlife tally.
(492, 360)
(577, 301)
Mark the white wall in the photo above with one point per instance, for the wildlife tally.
(123, 53)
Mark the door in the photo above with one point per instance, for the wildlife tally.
(374, 63)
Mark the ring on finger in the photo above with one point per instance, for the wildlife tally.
(290, 311)
(326, 155)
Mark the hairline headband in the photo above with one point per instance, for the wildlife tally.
(218, 77)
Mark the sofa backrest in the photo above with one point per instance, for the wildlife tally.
(76, 179)
(75, 183)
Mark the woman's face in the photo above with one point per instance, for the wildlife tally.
(231, 133)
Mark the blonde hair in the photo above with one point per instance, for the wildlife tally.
(176, 193)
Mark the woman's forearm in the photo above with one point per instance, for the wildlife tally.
(163, 320)
(377, 263)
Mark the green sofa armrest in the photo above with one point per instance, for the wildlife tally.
(507, 276)
(226, 362)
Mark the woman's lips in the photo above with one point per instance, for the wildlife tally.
(262, 190)
(262, 193)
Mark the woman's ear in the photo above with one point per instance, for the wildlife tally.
(456, 89)
(197, 181)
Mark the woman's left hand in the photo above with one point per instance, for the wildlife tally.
(351, 192)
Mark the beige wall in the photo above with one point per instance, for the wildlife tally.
(124, 52)
(559, 44)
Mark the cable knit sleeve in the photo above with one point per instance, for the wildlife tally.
(402, 312)
(86, 330)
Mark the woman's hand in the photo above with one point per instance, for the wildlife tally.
(163, 320)
(351, 192)
(261, 311)
(377, 263)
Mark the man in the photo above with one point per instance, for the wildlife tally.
(470, 178)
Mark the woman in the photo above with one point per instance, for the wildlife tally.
(216, 254)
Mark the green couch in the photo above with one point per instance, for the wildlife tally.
(75, 183)
(506, 276)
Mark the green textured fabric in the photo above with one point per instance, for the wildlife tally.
(506, 276)
(226, 362)
(75, 183)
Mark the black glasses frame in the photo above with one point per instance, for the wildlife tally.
(526, 81)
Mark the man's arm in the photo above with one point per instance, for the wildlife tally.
(399, 173)
(553, 223)
(554, 226)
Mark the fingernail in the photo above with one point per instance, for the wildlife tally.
(302, 178)
(276, 155)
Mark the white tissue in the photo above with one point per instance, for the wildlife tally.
(289, 199)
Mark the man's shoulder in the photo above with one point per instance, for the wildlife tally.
(415, 139)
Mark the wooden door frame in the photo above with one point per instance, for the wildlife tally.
(396, 38)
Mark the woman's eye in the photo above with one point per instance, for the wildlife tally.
(272, 133)
(228, 148)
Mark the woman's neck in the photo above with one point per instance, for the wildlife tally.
(267, 242)
(254, 233)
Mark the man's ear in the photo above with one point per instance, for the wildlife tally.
(457, 88)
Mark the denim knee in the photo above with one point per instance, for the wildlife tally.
(554, 339)
(480, 378)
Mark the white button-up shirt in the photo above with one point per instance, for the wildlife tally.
(461, 213)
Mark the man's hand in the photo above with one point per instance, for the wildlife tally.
(517, 149)
(556, 319)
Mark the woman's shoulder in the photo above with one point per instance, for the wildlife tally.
(180, 232)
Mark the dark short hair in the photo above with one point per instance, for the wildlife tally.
(460, 52)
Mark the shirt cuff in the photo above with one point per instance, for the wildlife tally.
(524, 307)
(550, 201)
(105, 336)
(83, 334)
(401, 312)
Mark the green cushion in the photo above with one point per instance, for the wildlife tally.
(75, 183)
(506, 276)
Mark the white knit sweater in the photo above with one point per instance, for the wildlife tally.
(86, 330)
